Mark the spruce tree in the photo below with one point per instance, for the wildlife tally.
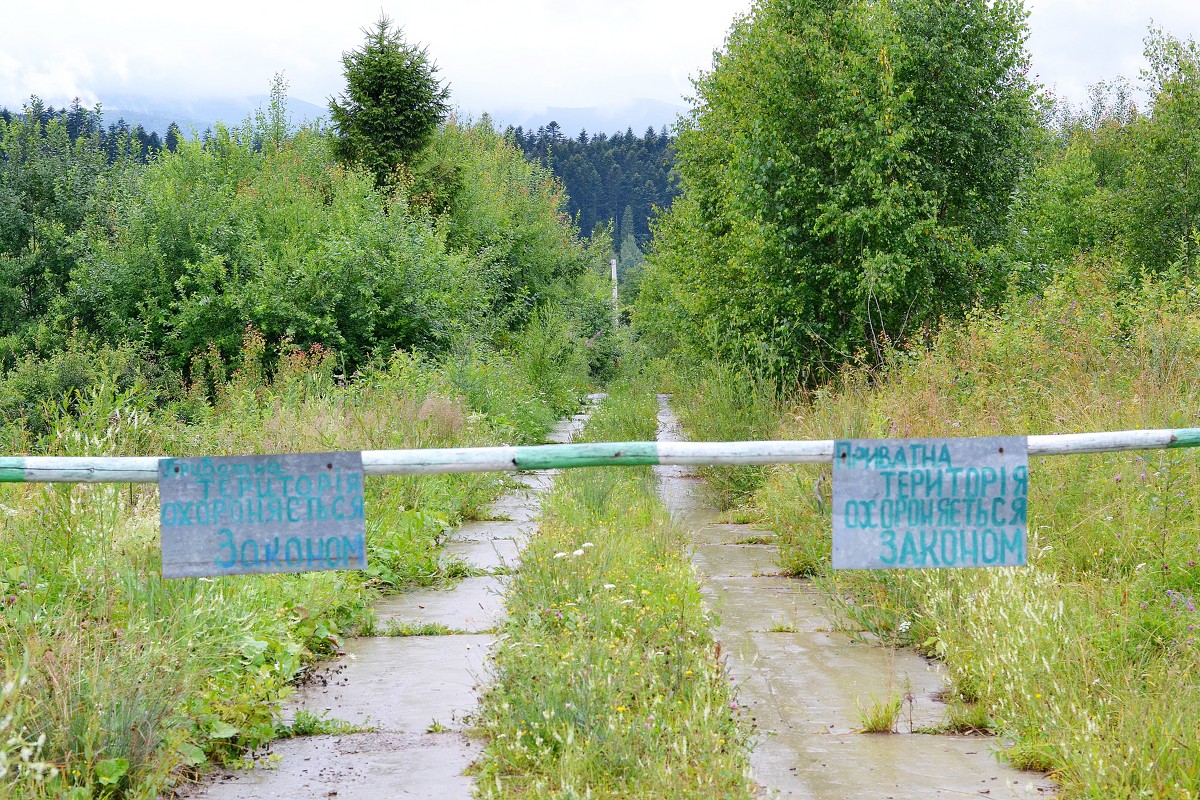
(393, 101)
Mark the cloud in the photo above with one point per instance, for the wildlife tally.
(540, 53)
(1077, 43)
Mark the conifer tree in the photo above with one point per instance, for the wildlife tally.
(392, 104)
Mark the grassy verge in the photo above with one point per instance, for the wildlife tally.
(117, 683)
(1086, 659)
(608, 682)
(716, 402)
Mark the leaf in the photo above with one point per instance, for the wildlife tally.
(110, 771)
(222, 730)
(191, 755)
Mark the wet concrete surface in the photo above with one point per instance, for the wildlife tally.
(415, 693)
(472, 604)
(364, 766)
(803, 684)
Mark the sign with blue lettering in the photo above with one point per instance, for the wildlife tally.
(254, 514)
(910, 503)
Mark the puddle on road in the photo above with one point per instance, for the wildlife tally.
(417, 692)
(802, 684)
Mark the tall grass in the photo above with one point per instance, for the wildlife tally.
(116, 682)
(608, 682)
(1086, 659)
(719, 402)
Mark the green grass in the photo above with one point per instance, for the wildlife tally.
(756, 540)
(117, 683)
(608, 682)
(307, 723)
(1086, 659)
(880, 715)
(397, 628)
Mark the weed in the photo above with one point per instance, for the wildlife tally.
(880, 716)
(306, 723)
(756, 540)
(607, 679)
(398, 628)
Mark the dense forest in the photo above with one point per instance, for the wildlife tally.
(605, 174)
(621, 181)
(173, 260)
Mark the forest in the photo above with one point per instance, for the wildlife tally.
(872, 223)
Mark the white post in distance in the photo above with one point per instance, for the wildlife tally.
(612, 263)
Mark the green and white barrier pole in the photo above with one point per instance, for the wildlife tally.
(144, 469)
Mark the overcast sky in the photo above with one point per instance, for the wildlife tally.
(495, 55)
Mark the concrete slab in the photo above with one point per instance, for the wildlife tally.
(728, 560)
(472, 604)
(364, 766)
(401, 684)
(488, 554)
(490, 530)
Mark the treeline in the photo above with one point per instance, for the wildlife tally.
(118, 140)
(606, 175)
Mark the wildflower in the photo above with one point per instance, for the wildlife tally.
(588, 544)
(560, 555)
(610, 586)
(578, 552)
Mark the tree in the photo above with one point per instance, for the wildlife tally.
(393, 101)
(844, 168)
(174, 137)
(1164, 197)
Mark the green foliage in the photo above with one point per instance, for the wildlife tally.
(1165, 176)
(1086, 658)
(392, 104)
(47, 184)
(842, 168)
(114, 679)
(1114, 182)
(213, 238)
(607, 681)
(606, 174)
(506, 214)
